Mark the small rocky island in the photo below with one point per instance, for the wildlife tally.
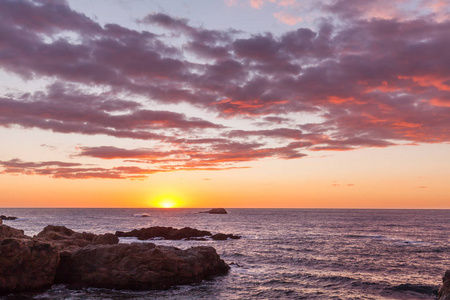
(60, 255)
(215, 211)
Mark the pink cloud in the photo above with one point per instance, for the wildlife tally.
(288, 18)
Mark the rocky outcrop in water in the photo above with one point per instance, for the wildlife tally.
(60, 255)
(7, 218)
(170, 233)
(444, 291)
(26, 264)
(222, 236)
(138, 266)
(216, 211)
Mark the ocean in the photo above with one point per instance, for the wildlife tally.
(283, 253)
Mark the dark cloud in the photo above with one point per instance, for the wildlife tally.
(368, 81)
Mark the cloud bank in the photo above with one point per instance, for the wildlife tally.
(368, 79)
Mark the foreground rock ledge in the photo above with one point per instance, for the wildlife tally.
(138, 266)
(60, 255)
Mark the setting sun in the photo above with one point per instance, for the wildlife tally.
(167, 203)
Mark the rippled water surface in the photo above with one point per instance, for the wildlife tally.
(283, 253)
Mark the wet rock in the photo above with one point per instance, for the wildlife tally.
(168, 233)
(26, 265)
(444, 291)
(138, 266)
(215, 211)
(1, 222)
(222, 236)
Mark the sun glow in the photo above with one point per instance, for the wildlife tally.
(167, 201)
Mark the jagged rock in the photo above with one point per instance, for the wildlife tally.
(1, 222)
(66, 239)
(168, 233)
(218, 211)
(105, 239)
(7, 218)
(60, 255)
(26, 264)
(444, 291)
(222, 236)
(9, 232)
(138, 266)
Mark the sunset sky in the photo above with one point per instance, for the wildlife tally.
(225, 103)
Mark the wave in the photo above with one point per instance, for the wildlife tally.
(142, 215)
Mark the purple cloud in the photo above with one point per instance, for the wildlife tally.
(369, 82)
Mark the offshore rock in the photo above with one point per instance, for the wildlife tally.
(138, 266)
(67, 239)
(2, 217)
(168, 233)
(217, 211)
(444, 291)
(222, 236)
(26, 264)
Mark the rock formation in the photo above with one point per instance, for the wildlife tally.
(170, 233)
(138, 266)
(60, 255)
(25, 264)
(217, 211)
(444, 291)
(9, 232)
(66, 239)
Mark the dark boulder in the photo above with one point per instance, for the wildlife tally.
(26, 265)
(444, 291)
(138, 266)
(9, 232)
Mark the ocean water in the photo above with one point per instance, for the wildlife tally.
(283, 253)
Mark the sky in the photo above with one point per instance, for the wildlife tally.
(225, 103)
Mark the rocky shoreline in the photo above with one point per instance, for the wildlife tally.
(60, 255)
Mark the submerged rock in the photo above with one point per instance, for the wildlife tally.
(138, 266)
(444, 291)
(218, 211)
(26, 264)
